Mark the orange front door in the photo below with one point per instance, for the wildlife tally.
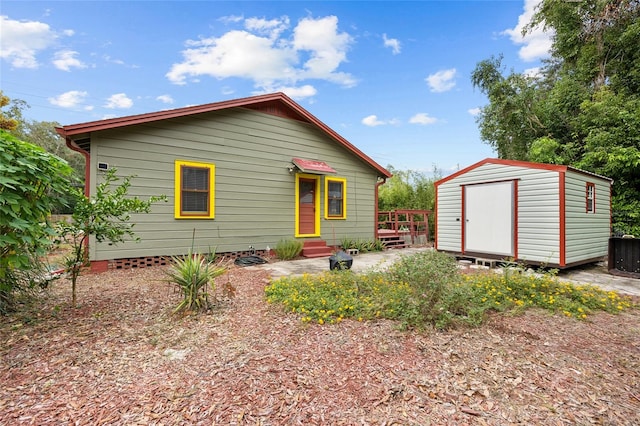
(307, 206)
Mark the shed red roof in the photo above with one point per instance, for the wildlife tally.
(519, 163)
(269, 103)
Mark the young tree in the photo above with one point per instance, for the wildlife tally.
(32, 183)
(105, 216)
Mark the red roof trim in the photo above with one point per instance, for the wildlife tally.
(518, 163)
(112, 123)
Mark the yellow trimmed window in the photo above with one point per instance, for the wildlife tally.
(335, 203)
(194, 190)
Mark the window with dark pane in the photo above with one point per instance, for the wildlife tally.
(591, 196)
(336, 198)
(195, 190)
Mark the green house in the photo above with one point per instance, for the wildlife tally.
(240, 175)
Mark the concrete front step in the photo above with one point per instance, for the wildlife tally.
(317, 252)
(316, 248)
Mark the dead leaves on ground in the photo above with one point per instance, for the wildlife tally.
(122, 358)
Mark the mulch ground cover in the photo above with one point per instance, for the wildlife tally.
(121, 357)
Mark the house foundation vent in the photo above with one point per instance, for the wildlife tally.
(149, 261)
(139, 262)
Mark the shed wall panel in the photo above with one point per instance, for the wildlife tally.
(538, 209)
(587, 234)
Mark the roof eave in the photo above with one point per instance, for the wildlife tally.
(112, 123)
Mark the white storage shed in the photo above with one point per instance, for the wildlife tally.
(543, 214)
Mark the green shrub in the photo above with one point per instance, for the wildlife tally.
(288, 249)
(362, 245)
(435, 299)
(193, 274)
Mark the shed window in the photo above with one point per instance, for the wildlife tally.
(194, 190)
(335, 198)
(591, 197)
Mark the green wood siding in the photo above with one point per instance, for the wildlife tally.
(254, 191)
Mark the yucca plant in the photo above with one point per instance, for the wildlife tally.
(193, 275)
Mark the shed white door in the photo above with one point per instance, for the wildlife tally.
(488, 219)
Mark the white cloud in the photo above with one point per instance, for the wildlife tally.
(393, 43)
(537, 43)
(442, 81)
(422, 118)
(235, 54)
(119, 100)
(535, 72)
(273, 28)
(314, 49)
(474, 111)
(372, 121)
(166, 99)
(71, 99)
(66, 59)
(21, 41)
(327, 48)
(117, 61)
(297, 93)
(230, 19)
(113, 60)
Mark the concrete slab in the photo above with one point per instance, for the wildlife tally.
(361, 263)
(598, 275)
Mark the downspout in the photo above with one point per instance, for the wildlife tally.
(375, 223)
(87, 163)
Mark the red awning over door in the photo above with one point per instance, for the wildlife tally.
(313, 166)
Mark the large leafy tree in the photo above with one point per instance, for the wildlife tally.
(584, 108)
(32, 183)
(40, 133)
(509, 122)
(6, 121)
(408, 189)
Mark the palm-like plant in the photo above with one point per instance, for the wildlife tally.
(193, 274)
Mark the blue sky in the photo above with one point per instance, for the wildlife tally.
(393, 78)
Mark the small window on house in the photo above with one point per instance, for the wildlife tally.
(194, 190)
(591, 197)
(335, 198)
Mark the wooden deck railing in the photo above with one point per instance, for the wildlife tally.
(404, 222)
